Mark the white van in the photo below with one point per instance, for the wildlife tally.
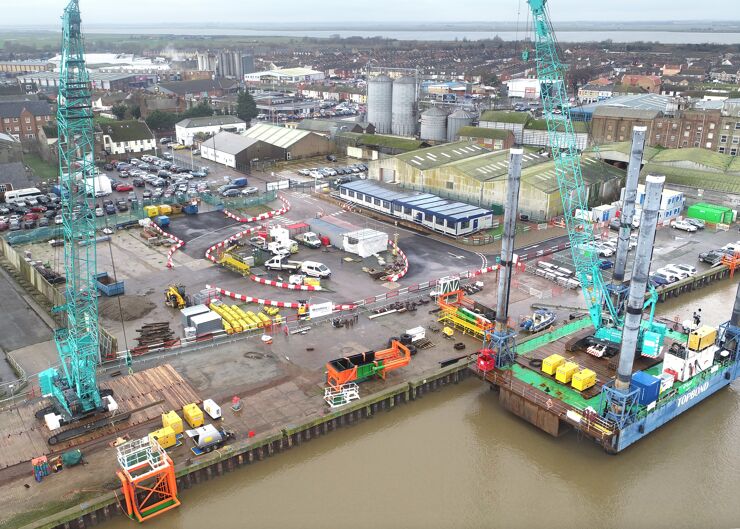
(314, 269)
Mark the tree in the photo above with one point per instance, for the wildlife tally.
(246, 108)
(136, 112)
(119, 111)
(159, 120)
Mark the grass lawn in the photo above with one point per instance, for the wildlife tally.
(42, 170)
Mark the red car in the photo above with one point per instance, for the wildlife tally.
(31, 216)
(124, 187)
(38, 209)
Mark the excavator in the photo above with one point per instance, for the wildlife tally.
(175, 297)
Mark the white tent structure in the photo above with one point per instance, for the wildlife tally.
(365, 242)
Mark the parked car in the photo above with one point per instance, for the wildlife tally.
(230, 193)
(681, 270)
(685, 226)
(196, 152)
(58, 220)
(124, 188)
(165, 141)
(661, 279)
(331, 158)
(247, 191)
(110, 209)
(99, 212)
(699, 223)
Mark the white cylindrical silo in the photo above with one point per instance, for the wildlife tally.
(404, 106)
(379, 103)
(434, 125)
(457, 120)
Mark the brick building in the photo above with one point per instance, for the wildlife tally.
(614, 124)
(651, 83)
(24, 119)
(690, 128)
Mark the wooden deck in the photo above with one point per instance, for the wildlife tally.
(23, 437)
(605, 368)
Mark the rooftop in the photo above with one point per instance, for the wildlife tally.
(481, 132)
(442, 154)
(197, 86)
(229, 143)
(94, 76)
(15, 173)
(493, 165)
(13, 109)
(505, 116)
(209, 121)
(131, 130)
(380, 140)
(654, 102)
(609, 111)
(281, 137)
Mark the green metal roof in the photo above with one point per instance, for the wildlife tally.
(441, 155)
(705, 157)
(543, 177)
(131, 130)
(379, 140)
(505, 116)
(494, 165)
(622, 148)
(481, 132)
(541, 124)
(716, 181)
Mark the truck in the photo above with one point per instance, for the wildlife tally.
(239, 182)
(278, 249)
(309, 239)
(280, 263)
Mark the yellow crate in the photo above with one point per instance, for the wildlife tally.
(165, 209)
(702, 338)
(551, 364)
(151, 211)
(165, 437)
(193, 415)
(583, 380)
(566, 371)
(172, 419)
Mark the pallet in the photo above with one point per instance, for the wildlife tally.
(424, 343)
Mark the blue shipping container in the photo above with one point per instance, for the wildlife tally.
(190, 209)
(648, 385)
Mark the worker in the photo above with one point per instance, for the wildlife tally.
(697, 317)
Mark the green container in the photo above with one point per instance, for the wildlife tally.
(710, 213)
(365, 370)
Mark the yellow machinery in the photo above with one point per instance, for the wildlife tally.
(552, 363)
(583, 380)
(565, 372)
(702, 338)
(175, 297)
(233, 263)
(193, 415)
(166, 437)
(172, 420)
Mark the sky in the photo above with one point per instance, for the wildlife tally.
(30, 13)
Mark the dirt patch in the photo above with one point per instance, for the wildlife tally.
(131, 308)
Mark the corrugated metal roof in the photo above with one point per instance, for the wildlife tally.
(278, 136)
(443, 154)
(229, 143)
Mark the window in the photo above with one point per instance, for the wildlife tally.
(710, 136)
(723, 138)
(711, 126)
(686, 134)
(609, 128)
(427, 217)
(407, 210)
(386, 204)
(621, 137)
(736, 140)
(28, 120)
(696, 144)
(673, 138)
(737, 125)
(30, 136)
(29, 129)
(609, 137)
(721, 150)
(674, 126)
(733, 152)
(657, 137)
(6, 120)
(464, 225)
(38, 118)
(700, 128)
(15, 120)
(708, 145)
(17, 129)
(450, 185)
(684, 144)
(377, 201)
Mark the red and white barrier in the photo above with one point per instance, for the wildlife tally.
(405, 269)
(179, 243)
(281, 284)
(271, 303)
(263, 216)
(228, 242)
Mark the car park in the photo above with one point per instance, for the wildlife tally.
(661, 279)
(58, 220)
(99, 212)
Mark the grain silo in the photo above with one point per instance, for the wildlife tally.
(404, 106)
(457, 120)
(379, 103)
(434, 125)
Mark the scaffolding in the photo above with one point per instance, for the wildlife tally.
(147, 478)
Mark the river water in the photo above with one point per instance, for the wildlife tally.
(456, 459)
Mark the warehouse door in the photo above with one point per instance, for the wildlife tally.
(387, 175)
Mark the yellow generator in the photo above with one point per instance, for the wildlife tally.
(702, 338)
(565, 372)
(151, 211)
(193, 415)
(172, 420)
(552, 363)
(583, 380)
(165, 437)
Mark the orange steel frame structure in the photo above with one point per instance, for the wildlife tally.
(147, 479)
(451, 301)
(396, 356)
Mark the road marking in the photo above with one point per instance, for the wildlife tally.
(456, 256)
(483, 260)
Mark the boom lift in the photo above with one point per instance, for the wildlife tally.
(605, 316)
(73, 387)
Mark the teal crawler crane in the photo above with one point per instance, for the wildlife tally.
(72, 388)
(605, 315)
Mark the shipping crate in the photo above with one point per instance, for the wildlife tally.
(565, 372)
(193, 415)
(702, 338)
(551, 364)
(583, 380)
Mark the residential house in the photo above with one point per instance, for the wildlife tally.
(651, 83)
(23, 119)
(729, 129)
(198, 89)
(123, 137)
